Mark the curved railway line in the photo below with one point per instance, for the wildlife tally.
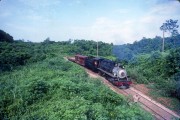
(159, 111)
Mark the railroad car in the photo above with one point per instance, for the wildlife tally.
(80, 59)
(112, 71)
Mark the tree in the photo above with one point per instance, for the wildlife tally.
(5, 37)
(173, 62)
(170, 26)
(48, 41)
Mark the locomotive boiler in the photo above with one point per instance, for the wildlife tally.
(112, 71)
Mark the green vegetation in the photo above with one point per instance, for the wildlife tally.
(20, 53)
(36, 82)
(89, 48)
(5, 37)
(145, 46)
(46, 90)
(159, 70)
(171, 26)
(154, 68)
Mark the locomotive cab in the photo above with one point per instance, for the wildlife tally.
(107, 65)
(92, 63)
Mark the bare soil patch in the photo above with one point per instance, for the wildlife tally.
(142, 88)
(168, 102)
(165, 101)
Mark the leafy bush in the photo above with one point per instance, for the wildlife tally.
(176, 77)
(58, 64)
(18, 53)
(37, 90)
(173, 62)
(137, 75)
(178, 92)
(12, 55)
(157, 68)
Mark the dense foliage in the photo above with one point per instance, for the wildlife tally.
(90, 48)
(19, 53)
(58, 89)
(156, 68)
(36, 82)
(146, 64)
(173, 68)
(5, 37)
(146, 45)
(160, 71)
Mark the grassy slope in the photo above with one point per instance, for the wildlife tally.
(57, 89)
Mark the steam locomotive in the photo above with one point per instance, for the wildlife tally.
(112, 71)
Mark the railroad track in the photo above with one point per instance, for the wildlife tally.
(158, 111)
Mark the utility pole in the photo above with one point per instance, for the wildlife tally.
(163, 42)
(97, 48)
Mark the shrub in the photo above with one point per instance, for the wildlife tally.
(37, 90)
(176, 78)
(173, 62)
(59, 64)
(137, 75)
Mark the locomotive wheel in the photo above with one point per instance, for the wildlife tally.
(100, 73)
(110, 79)
(124, 87)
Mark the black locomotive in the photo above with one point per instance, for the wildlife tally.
(113, 72)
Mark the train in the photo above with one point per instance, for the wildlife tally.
(112, 71)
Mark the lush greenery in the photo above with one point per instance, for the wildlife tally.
(90, 48)
(147, 64)
(5, 37)
(19, 53)
(145, 45)
(58, 89)
(36, 82)
(157, 68)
